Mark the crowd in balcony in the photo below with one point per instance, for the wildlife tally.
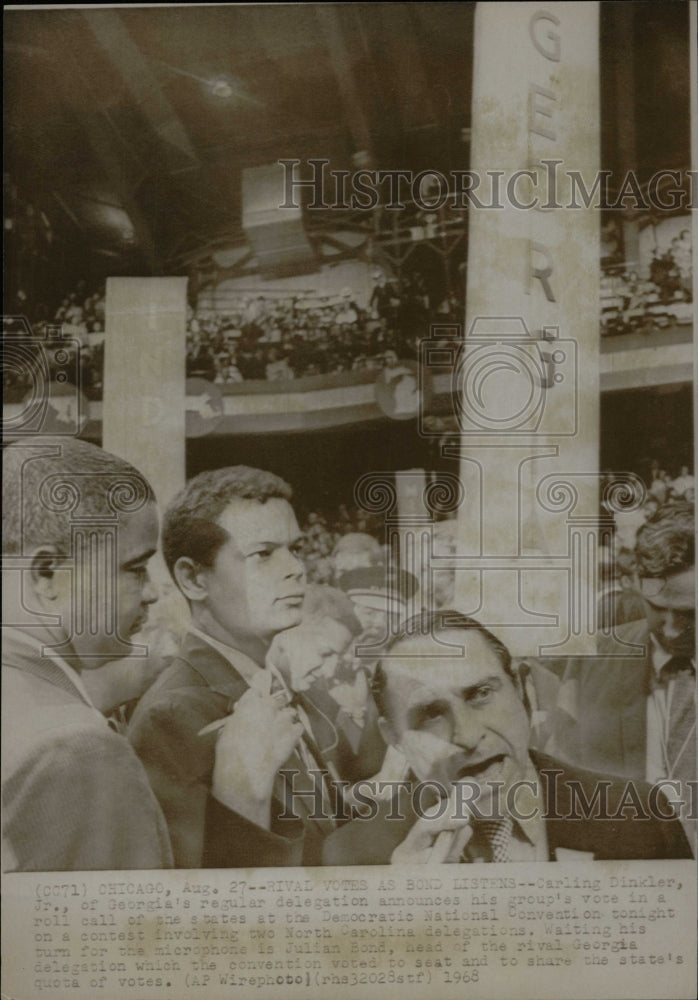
(313, 334)
(630, 303)
(292, 336)
(79, 321)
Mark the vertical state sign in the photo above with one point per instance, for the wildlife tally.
(526, 381)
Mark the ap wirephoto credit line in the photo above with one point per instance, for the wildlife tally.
(349, 501)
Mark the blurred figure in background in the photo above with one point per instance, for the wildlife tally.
(319, 662)
(631, 710)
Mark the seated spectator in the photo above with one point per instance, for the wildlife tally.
(277, 367)
(683, 482)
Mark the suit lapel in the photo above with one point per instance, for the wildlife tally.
(215, 670)
(221, 677)
(619, 700)
(634, 715)
(567, 838)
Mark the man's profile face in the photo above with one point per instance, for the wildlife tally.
(133, 590)
(455, 717)
(670, 610)
(257, 583)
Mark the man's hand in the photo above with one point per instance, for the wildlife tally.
(436, 838)
(426, 754)
(440, 835)
(254, 743)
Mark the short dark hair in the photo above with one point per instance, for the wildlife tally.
(428, 623)
(46, 478)
(190, 527)
(666, 543)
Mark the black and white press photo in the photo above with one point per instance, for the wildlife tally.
(349, 500)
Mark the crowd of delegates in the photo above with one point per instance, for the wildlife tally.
(344, 554)
(329, 541)
(619, 600)
(629, 303)
(265, 679)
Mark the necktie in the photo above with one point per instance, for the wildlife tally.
(497, 834)
(307, 750)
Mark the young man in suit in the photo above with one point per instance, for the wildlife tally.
(451, 703)
(232, 544)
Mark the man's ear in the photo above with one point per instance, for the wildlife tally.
(45, 561)
(523, 682)
(191, 579)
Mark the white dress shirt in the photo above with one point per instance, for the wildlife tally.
(658, 712)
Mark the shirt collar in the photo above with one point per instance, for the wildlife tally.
(72, 675)
(245, 666)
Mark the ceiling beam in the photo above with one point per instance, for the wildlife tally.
(109, 153)
(112, 34)
(328, 16)
(404, 57)
(101, 140)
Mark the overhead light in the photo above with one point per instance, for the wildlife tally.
(221, 88)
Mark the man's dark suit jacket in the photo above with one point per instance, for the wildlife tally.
(357, 753)
(199, 687)
(373, 841)
(601, 720)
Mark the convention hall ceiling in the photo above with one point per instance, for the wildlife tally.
(130, 127)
